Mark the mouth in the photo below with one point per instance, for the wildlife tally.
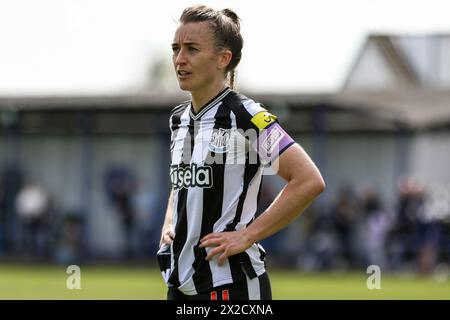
(183, 74)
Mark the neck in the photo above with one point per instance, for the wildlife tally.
(201, 97)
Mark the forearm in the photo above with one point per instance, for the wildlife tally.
(290, 203)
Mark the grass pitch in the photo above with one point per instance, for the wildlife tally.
(113, 282)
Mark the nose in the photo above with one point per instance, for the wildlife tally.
(180, 57)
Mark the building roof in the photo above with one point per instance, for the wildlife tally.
(412, 108)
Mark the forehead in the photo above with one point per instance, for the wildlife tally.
(193, 32)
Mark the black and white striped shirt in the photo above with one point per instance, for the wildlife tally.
(216, 172)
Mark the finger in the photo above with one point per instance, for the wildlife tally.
(210, 243)
(210, 236)
(171, 234)
(223, 257)
(214, 252)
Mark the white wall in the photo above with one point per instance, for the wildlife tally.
(430, 154)
(371, 71)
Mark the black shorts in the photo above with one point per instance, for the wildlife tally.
(253, 289)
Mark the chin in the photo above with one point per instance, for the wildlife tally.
(184, 86)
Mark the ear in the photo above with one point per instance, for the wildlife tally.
(224, 59)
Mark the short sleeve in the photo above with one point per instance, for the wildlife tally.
(264, 132)
(272, 140)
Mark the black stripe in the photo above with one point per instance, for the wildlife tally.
(249, 173)
(181, 224)
(246, 264)
(236, 270)
(212, 202)
(262, 255)
(265, 289)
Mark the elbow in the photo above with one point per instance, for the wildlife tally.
(316, 186)
(320, 185)
(309, 188)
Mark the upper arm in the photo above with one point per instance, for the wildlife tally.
(274, 146)
(294, 163)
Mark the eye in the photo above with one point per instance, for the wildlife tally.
(192, 49)
(175, 49)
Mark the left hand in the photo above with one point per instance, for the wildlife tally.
(227, 243)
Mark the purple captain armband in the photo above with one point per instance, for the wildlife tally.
(272, 142)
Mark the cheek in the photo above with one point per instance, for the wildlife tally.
(210, 64)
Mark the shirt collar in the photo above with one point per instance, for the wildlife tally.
(209, 105)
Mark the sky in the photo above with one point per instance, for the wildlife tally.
(96, 47)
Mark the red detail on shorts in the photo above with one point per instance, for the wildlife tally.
(213, 295)
(225, 295)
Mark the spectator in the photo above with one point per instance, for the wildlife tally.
(33, 207)
(402, 239)
(120, 186)
(373, 230)
(430, 223)
(345, 215)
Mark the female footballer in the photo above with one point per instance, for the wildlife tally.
(221, 141)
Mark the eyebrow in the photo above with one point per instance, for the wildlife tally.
(185, 43)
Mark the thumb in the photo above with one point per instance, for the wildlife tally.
(168, 239)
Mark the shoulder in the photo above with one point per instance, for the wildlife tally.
(179, 109)
(175, 115)
(242, 105)
(248, 112)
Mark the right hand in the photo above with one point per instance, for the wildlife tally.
(167, 236)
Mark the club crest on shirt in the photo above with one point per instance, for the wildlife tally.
(220, 141)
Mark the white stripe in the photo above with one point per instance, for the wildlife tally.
(220, 274)
(254, 291)
(251, 200)
(252, 107)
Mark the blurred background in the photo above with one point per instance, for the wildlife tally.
(85, 93)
